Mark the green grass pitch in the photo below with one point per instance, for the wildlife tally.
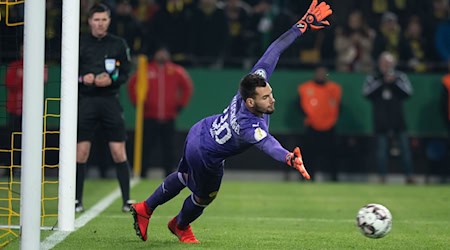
(275, 215)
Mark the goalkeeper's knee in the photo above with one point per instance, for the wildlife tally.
(205, 201)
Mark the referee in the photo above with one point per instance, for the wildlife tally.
(104, 66)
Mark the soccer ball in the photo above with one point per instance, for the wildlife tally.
(374, 220)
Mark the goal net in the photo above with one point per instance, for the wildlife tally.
(11, 16)
(11, 40)
(10, 178)
(10, 10)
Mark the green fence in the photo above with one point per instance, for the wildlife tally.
(213, 90)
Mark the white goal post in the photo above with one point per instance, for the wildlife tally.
(32, 124)
(33, 102)
(68, 111)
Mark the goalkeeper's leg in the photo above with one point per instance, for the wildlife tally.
(180, 224)
(142, 211)
(169, 188)
(205, 184)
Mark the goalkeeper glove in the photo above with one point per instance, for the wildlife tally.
(295, 160)
(315, 17)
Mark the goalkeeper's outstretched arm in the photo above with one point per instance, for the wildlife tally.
(313, 19)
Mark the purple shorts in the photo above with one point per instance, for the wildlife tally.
(203, 180)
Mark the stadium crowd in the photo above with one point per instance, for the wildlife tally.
(233, 33)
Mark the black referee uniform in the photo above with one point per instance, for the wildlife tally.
(99, 107)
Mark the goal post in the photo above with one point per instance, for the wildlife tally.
(32, 124)
(33, 198)
(68, 122)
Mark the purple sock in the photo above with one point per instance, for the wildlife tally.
(190, 212)
(170, 187)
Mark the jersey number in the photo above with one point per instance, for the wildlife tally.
(221, 128)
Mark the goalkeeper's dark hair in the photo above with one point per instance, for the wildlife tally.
(99, 8)
(247, 87)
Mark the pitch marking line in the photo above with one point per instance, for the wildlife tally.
(58, 236)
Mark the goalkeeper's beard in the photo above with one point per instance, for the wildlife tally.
(269, 110)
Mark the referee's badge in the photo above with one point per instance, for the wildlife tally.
(110, 65)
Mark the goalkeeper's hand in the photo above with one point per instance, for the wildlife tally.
(294, 159)
(315, 17)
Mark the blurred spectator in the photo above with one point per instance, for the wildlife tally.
(446, 99)
(320, 100)
(125, 24)
(283, 20)
(440, 9)
(14, 90)
(53, 29)
(419, 44)
(267, 22)
(391, 39)
(11, 36)
(238, 14)
(437, 14)
(208, 34)
(252, 2)
(344, 8)
(145, 10)
(437, 149)
(262, 22)
(375, 9)
(443, 39)
(169, 91)
(446, 83)
(260, 25)
(433, 14)
(445, 171)
(84, 7)
(387, 89)
(353, 44)
(170, 27)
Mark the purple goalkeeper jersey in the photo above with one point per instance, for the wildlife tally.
(223, 135)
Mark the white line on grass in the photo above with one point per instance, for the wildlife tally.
(58, 236)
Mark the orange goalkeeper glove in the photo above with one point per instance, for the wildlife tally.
(315, 17)
(295, 160)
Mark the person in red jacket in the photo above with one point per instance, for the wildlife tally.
(169, 90)
(14, 88)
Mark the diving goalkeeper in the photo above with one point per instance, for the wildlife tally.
(210, 141)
